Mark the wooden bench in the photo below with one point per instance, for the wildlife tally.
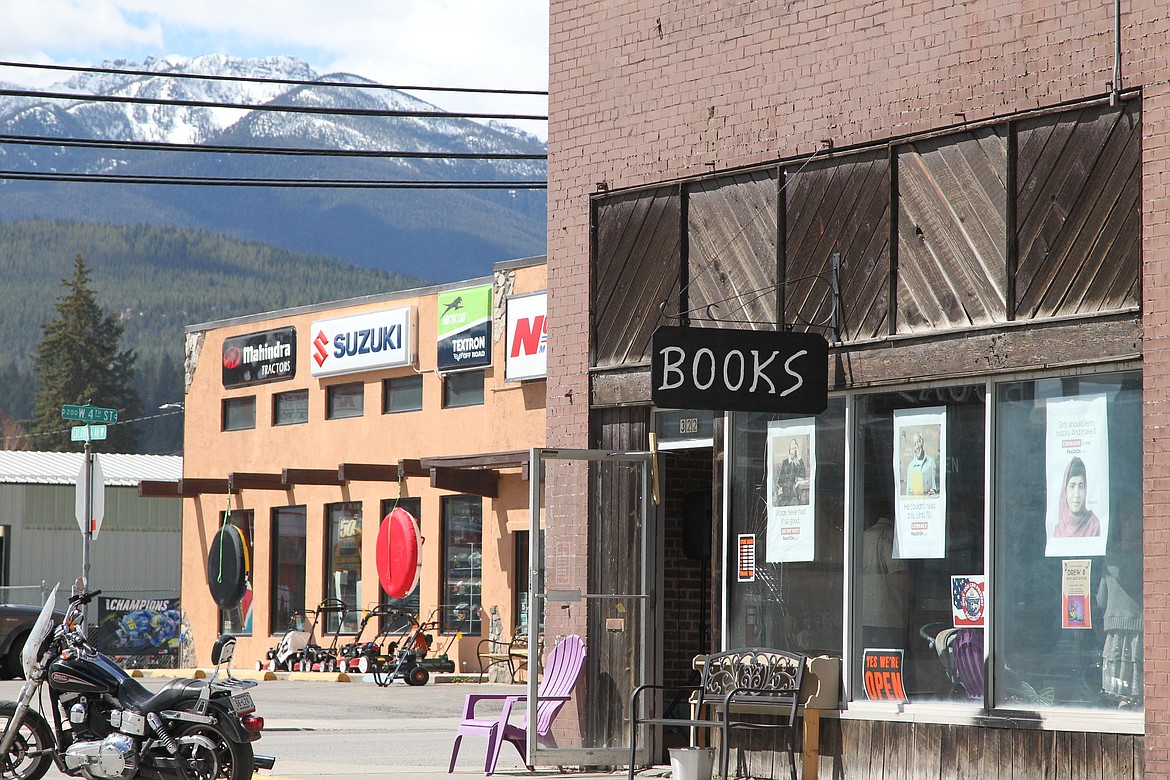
(513, 654)
(758, 676)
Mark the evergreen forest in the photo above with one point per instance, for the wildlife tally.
(158, 280)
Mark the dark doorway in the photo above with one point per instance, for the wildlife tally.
(686, 566)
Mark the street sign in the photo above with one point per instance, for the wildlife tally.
(89, 413)
(87, 432)
(91, 489)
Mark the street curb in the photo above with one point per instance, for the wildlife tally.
(318, 676)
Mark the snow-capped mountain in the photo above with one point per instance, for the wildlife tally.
(437, 234)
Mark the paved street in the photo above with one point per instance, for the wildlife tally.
(358, 731)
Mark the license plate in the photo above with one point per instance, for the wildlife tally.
(241, 703)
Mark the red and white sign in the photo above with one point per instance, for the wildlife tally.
(362, 342)
(526, 355)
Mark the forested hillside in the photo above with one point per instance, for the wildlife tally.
(159, 280)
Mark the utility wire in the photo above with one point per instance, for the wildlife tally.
(161, 146)
(375, 112)
(260, 80)
(224, 181)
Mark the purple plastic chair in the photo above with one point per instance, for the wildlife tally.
(560, 677)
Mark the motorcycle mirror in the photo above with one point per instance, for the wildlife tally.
(79, 586)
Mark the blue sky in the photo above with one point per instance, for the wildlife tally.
(498, 44)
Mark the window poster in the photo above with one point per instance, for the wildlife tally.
(791, 476)
(883, 675)
(1077, 473)
(747, 557)
(1074, 594)
(920, 521)
(968, 600)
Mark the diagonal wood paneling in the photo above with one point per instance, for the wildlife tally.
(1078, 215)
(838, 206)
(952, 231)
(636, 268)
(731, 266)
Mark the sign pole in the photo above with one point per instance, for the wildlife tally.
(87, 533)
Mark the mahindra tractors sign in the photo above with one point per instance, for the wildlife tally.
(363, 342)
(269, 356)
(526, 355)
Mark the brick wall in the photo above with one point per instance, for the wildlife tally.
(645, 92)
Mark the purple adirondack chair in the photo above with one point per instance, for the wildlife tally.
(560, 677)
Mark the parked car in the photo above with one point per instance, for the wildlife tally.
(16, 621)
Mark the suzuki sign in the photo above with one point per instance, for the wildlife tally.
(363, 342)
(526, 355)
(739, 370)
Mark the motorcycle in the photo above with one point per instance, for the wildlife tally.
(108, 726)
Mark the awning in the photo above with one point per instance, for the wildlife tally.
(477, 475)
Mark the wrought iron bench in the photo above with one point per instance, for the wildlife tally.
(513, 654)
(731, 679)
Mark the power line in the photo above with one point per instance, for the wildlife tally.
(369, 112)
(160, 146)
(260, 80)
(225, 181)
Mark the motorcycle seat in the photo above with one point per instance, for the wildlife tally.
(137, 697)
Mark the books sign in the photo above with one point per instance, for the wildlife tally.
(739, 370)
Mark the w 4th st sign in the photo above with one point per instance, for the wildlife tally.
(89, 413)
(739, 370)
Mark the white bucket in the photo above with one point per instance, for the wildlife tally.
(692, 763)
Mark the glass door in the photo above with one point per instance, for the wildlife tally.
(594, 580)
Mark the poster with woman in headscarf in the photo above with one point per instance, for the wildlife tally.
(792, 474)
(1077, 473)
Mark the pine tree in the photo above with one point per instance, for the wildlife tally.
(78, 362)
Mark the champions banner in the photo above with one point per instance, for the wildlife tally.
(139, 633)
(465, 328)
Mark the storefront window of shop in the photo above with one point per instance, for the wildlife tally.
(462, 557)
(1062, 604)
(411, 602)
(291, 408)
(239, 414)
(343, 563)
(238, 620)
(464, 388)
(346, 400)
(288, 567)
(1068, 542)
(918, 525)
(787, 504)
(402, 394)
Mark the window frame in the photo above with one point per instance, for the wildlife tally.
(237, 403)
(386, 393)
(332, 390)
(277, 422)
(449, 402)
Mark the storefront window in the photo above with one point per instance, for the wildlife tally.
(462, 557)
(918, 536)
(343, 563)
(787, 506)
(1068, 509)
(288, 567)
(238, 619)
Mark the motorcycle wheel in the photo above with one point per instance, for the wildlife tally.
(28, 758)
(229, 760)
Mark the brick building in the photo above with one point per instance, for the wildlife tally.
(967, 201)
